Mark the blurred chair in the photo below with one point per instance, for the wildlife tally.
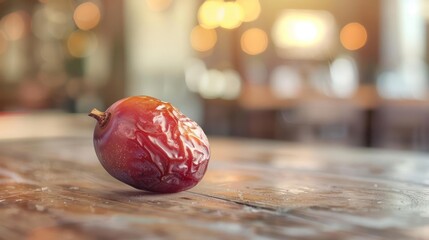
(402, 125)
(324, 121)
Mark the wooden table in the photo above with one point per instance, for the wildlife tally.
(52, 187)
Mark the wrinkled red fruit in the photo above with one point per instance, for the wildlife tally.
(150, 145)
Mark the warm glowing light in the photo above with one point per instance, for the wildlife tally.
(203, 39)
(254, 41)
(215, 13)
(232, 15)
(251, 9)
(87, 16)
(304, 34)
(210, 14)
(298, 30)
(353, 36)
(81, 44)
(158, 5)
(13, 25)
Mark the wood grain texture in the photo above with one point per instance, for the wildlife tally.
(55, 188)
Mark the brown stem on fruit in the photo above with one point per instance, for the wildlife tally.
(101, 117)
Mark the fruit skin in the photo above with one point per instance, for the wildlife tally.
(151, 145)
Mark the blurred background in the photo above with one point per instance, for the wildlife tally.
(344, 72)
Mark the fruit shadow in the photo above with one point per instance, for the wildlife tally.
(116, 194)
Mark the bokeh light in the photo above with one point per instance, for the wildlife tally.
(298, 29)
(210, 14)
(87, 16)
(254, 41)
(344, 75)
(203, 39)
(353, 36)
(226, 14)
(408, 82)
(194, 71)
(251, 9)
(390, 85)
(232, 15)
(212, 84)
(304, 34)
(158, 5)
(81, 44)
(233, 84)
(13, 25)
